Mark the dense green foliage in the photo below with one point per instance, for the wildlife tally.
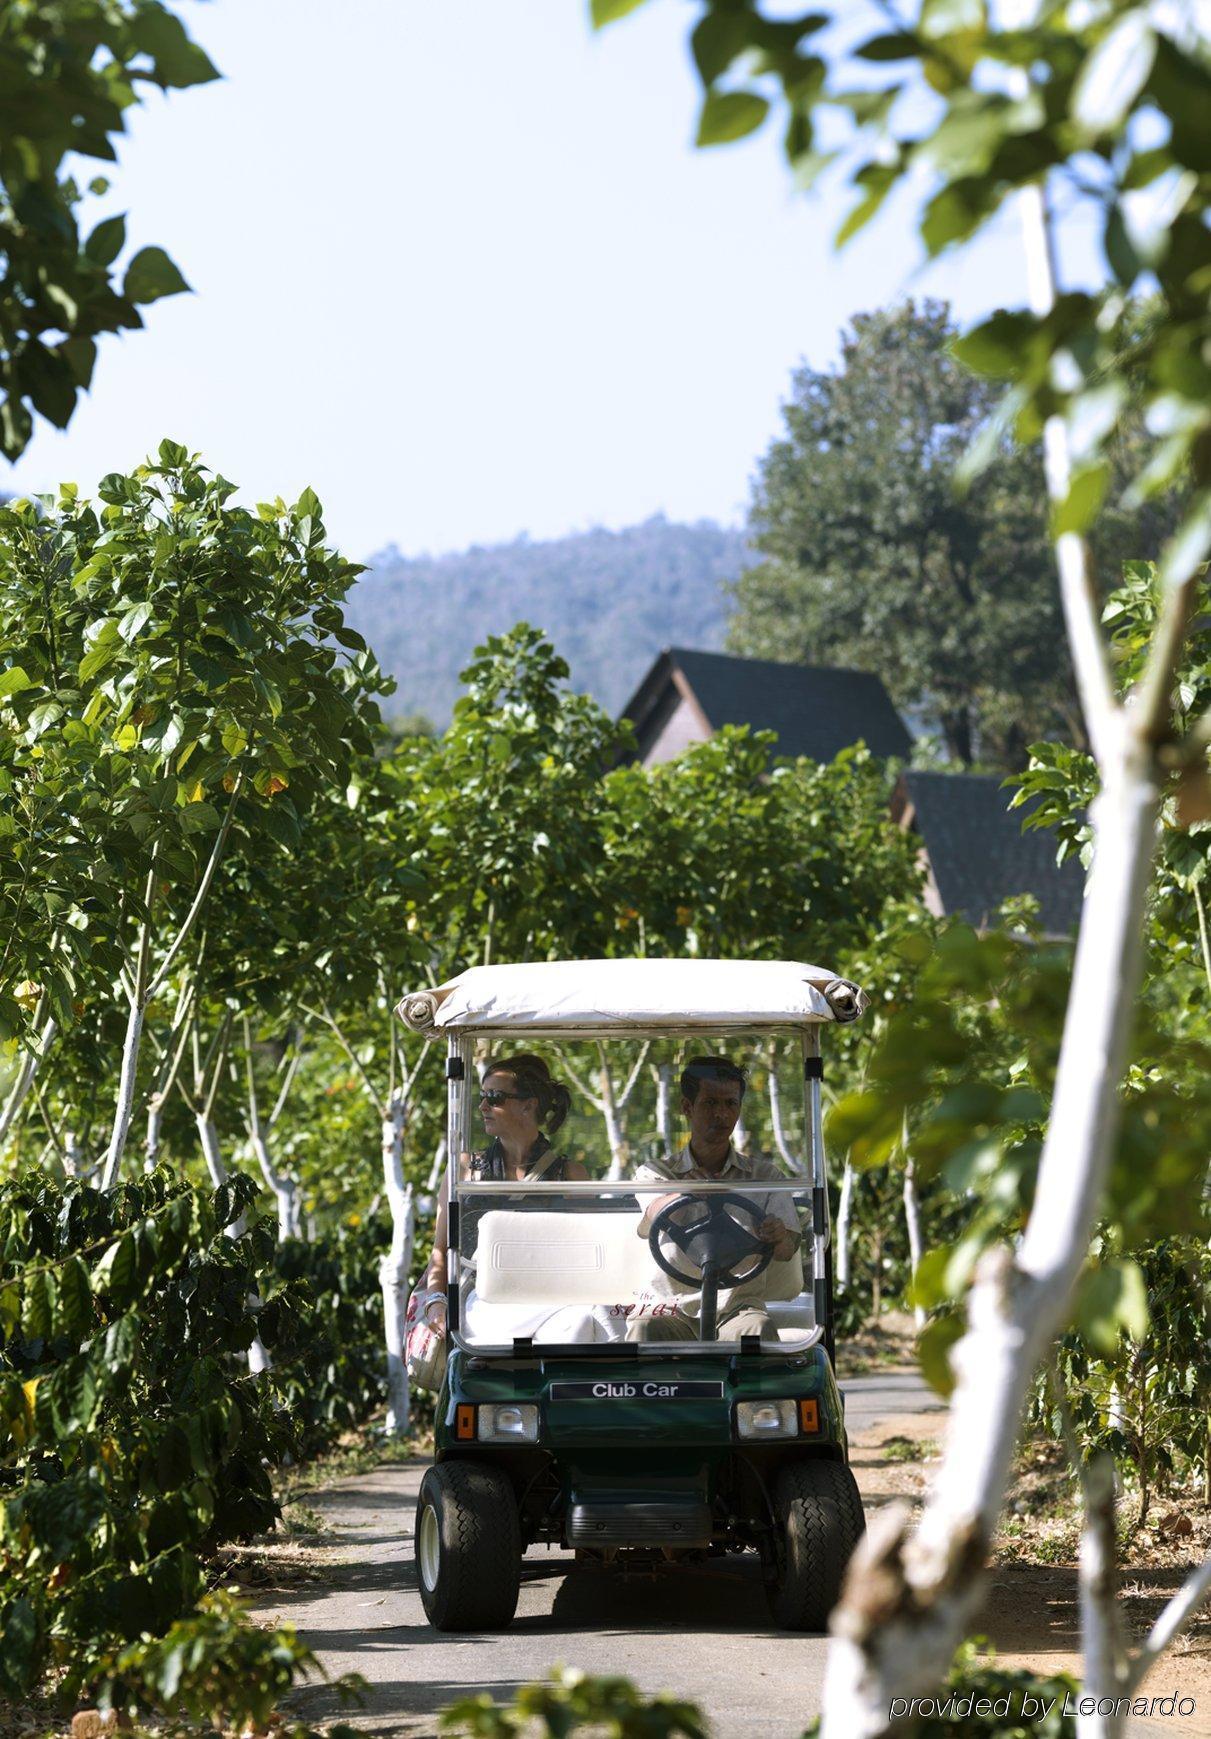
(872, 555)
(610, 600)
(572, 1702)
(69, 71)
(132, 1444)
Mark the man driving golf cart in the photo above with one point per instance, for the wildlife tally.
(694, 1411)
(712, 1097)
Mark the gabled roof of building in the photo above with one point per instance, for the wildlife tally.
(980, 856)
(817, 710)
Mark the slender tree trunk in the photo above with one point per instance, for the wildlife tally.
(793, 1161)
(30, 1063)
(396, 1265)
(1017, 1305)
(126, 1095)
(912, 1223)
(72, 1156)
(258, 1358)
(283, 1187)
(842, 1231)
(613, 1123)
(910, 1596)
(664, 1108)
(434, 1181)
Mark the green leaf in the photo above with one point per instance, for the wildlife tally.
(1086, 492)
(95, 660)
(730, 115)
(606, 11)
(933, 1351)
(13, 680)
(899, 45)
(114, 1275)
(179, 62)
(717, 39)
(43, 716)
(75, 1299)
(38, 1306)
(135, 618)
(106, 241)
(150, 275)
(877, 179)
(997, 347)
(1114, 75)
(1112, 1298)
(199, 818)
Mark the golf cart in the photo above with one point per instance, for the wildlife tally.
(557, 1423)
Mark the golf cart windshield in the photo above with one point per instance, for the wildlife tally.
(647, 1216)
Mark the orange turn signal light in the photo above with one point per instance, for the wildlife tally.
(464, 1422)
(809, 1415)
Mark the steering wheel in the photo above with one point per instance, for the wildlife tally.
(711, 1238)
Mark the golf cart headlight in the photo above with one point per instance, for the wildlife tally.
(508, 1423)
(765, 1419)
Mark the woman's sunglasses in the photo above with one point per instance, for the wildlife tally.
(494, 1096)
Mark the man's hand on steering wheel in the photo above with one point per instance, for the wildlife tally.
(774, 1231)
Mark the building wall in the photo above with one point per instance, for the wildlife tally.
(682, 727)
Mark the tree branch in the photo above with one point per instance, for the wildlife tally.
(326, 1016)
(1169, 1626)
(203, 889)
(634, 1075)
(1074, 559)
(1150, 711)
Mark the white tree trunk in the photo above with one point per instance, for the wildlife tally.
(841, 1232)
(258, 1358)
(112, 1163)
(73, 1159)
(615, 1135)
(30, 1062)
(909, 1598)
(396, 1266)
(151, 1142)
(208, 1135)
(664, 1108)
(912, 1224)
(434, 1181)
(793, 1161)
(285, 1189)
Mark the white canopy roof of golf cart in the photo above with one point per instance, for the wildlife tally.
(596, 996)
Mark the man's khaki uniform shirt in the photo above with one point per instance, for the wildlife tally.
(661, 1293)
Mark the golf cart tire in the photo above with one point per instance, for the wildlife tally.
(468, 1547)
(820, 1520)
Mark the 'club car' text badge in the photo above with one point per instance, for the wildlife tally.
(636, 1389)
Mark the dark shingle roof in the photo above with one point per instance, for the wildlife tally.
(980, 856)
(815, 709)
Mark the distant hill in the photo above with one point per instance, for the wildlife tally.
(610, 600)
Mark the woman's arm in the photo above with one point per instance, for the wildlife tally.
(437, 1273)
(575, 1172)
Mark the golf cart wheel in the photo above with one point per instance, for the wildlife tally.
(819, 1515)
(468, 1547)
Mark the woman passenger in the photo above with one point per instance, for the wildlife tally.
(517, 1098)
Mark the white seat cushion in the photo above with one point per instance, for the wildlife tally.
(560, 1258)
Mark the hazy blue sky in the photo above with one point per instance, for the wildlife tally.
(458, 266)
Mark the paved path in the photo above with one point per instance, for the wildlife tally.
(703, 1634)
